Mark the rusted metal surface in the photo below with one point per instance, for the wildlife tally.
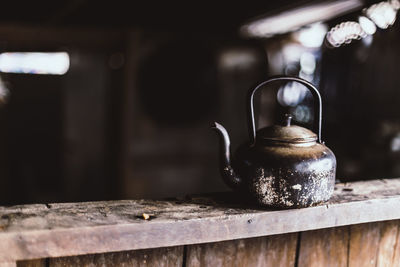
(56, 230)
(281, 166)
(292, 176)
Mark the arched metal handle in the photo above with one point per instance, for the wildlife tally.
(310, 86)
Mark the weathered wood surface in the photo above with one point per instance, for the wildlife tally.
(371, 244)
(160, 257)
(56, 230)
(324, 247)
(33, 263)
(387, 243)
(277, 250)
(374, 244)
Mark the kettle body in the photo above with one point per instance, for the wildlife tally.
(282, 166)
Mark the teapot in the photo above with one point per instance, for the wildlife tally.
(281, 166)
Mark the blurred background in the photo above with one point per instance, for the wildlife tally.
(114, 100)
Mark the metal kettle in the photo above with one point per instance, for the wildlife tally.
(282, 166)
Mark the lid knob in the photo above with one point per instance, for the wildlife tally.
(288, 120)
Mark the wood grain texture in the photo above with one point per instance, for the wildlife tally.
(396, 252)
(326, 247)
(32, 263)
(387, 244)
(162, 257)
(364, 244)
(262, 251)
(374, 244)
(56, 230)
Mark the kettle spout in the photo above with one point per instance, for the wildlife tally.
(229, 175)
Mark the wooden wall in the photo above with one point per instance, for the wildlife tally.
(369, 244)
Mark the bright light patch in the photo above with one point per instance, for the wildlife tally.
(312, 36)
(291, 94)
(308, 63)
(56, 63)
(344, 33)
(382, 14)
(297, 17)
(367, 25)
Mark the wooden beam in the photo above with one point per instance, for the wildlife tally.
(56, 230)
(13, 36)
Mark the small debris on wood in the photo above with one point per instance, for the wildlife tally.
(146, 216)
(348, 189)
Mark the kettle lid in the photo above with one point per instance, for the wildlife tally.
(286, 133)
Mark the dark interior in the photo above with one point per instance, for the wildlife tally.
(131, 117)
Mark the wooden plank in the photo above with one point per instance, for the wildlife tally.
(324, 247)
(374, 244)
(56, 230)
(396, 252)
(32, 263)
(387, 244)
(278, 250)
(172, 256)
(364, 244)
